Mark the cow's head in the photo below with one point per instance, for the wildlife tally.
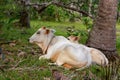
(74, 39)
(42, 37)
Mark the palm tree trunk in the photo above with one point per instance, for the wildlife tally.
(103, 33)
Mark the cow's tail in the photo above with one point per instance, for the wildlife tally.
(98, 57)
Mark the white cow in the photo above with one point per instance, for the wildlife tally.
(97, 56)
(60, 50)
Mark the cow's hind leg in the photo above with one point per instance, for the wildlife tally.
(68, 66)
(43, 57)
(60, 59)
(63, 59)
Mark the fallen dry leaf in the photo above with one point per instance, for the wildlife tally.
(59, 76)
(22, 54)
(45, 78)
(12, 44)
(8, 60)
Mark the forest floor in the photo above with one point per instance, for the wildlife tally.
(19, 59)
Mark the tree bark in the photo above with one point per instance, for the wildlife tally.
(103, 33)
(24, 19)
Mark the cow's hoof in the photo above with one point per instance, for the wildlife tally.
(52, 64)
(41, 57)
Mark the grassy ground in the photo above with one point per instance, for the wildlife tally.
(20, 58)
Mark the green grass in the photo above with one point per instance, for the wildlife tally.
(60, 27)
(28, 66)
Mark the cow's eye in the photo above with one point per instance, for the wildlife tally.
(38, 32)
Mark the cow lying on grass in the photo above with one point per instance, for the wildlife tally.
(60, 50)
(97, 56)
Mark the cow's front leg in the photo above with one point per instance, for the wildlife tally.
(44, 57)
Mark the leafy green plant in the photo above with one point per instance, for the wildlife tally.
(87, 22)
(83, 34)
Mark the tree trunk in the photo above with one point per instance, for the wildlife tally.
(24, 19)
(103, 33)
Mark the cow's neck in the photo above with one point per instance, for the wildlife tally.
(44, 45)
(47, 43)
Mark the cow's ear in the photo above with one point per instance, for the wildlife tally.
(76, 38)
(47, 31)
(43, 27)
(53, 31)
